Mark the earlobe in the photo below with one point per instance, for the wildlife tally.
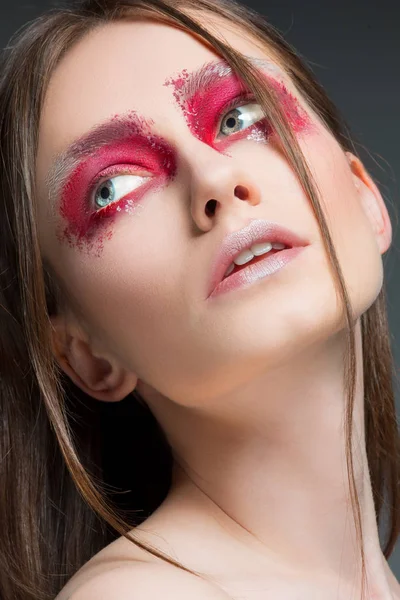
(96, 375)
(372, 202)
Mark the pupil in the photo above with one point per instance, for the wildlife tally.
(231, 122)
(105, 193)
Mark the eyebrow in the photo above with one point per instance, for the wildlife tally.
(189, 84)
(122, 126)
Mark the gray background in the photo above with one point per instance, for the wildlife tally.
(354, 49)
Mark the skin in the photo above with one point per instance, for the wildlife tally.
(252, 406)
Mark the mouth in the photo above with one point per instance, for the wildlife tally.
(248, 246)
(258, 253)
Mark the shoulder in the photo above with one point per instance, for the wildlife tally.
(146, 581)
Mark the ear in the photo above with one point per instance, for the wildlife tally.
(372, 202)
(97, 374)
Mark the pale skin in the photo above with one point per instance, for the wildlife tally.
(252, 406)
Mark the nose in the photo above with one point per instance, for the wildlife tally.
(218, 186)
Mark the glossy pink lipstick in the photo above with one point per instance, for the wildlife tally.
(257, 231)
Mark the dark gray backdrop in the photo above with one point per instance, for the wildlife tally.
(353, 47)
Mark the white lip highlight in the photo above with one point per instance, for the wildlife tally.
(257, 231)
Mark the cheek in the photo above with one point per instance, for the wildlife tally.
(351, 231)
(127, 292)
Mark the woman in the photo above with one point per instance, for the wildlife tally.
(188, 232)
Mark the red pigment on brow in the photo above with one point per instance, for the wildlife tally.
(136, 153)
(203, 109)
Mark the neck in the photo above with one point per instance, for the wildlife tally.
(268, 460)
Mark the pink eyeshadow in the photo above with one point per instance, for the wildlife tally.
(139, 154)
(203, 108)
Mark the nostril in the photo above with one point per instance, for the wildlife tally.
(210, 207)
(241, 192)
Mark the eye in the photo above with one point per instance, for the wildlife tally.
(115, 188)
(240, 118)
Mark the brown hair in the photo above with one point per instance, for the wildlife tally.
(58, 475)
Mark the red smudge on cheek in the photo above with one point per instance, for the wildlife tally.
(87, 226)
(204, 109)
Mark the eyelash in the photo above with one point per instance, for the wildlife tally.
(113, 171)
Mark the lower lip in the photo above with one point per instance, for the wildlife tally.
(259, 270)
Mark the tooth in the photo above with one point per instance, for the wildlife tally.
(229, 270)
(262, 248)
(244, 257)
(278, 246)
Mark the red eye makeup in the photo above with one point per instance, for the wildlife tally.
(124, 145)
(213, 90)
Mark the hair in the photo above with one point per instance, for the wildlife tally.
(60, 487)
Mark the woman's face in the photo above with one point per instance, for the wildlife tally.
(125, 222)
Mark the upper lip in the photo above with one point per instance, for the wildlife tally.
(257, 231)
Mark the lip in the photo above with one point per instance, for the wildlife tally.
(257, 231)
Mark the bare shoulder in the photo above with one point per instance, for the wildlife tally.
(146, 581)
